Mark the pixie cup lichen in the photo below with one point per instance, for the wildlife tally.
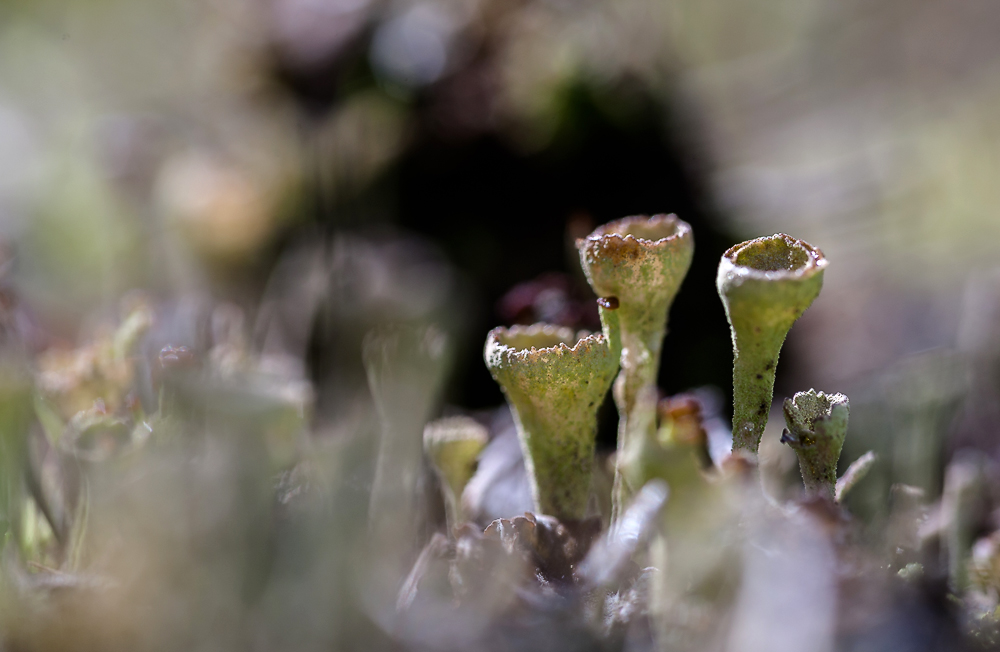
(817, 425)
(555, 383)
(765, 285)
(641, 261)
(453, 444)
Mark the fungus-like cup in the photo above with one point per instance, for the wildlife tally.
(641, 261)
(817, 425)
(554, 388)
(765, 285)
(453, 444)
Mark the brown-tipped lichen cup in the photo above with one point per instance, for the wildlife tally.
(765, 284)
(554, 383)
(641, 261)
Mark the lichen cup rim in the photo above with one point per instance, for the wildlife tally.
(554, 339)
(815, 261)
(451, 429)
(805, 409)
(618, 229)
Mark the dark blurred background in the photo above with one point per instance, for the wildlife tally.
(507, 213)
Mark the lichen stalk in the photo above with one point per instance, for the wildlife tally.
(817, 426)
(554, 383)
(642, 261)
(765, 285)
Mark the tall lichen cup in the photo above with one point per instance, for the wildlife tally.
(765, 284)
(817, 426)
(641, 261)
(555, 383)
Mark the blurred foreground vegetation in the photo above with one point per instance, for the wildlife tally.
(248, 250)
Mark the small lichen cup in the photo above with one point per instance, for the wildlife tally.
(453, 445)
(642, 261)
(765, 285)
(817, 426)
(554, 383)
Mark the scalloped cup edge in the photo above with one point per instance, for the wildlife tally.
(830, 401)
(494, 342)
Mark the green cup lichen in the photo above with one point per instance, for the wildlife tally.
(641, 261)
(453, 444)
(765, 285)
(817, 425)
(555, 383)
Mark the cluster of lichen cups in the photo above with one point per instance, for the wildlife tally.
(555, 380)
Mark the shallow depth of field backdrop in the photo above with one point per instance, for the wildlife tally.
(286, 176)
